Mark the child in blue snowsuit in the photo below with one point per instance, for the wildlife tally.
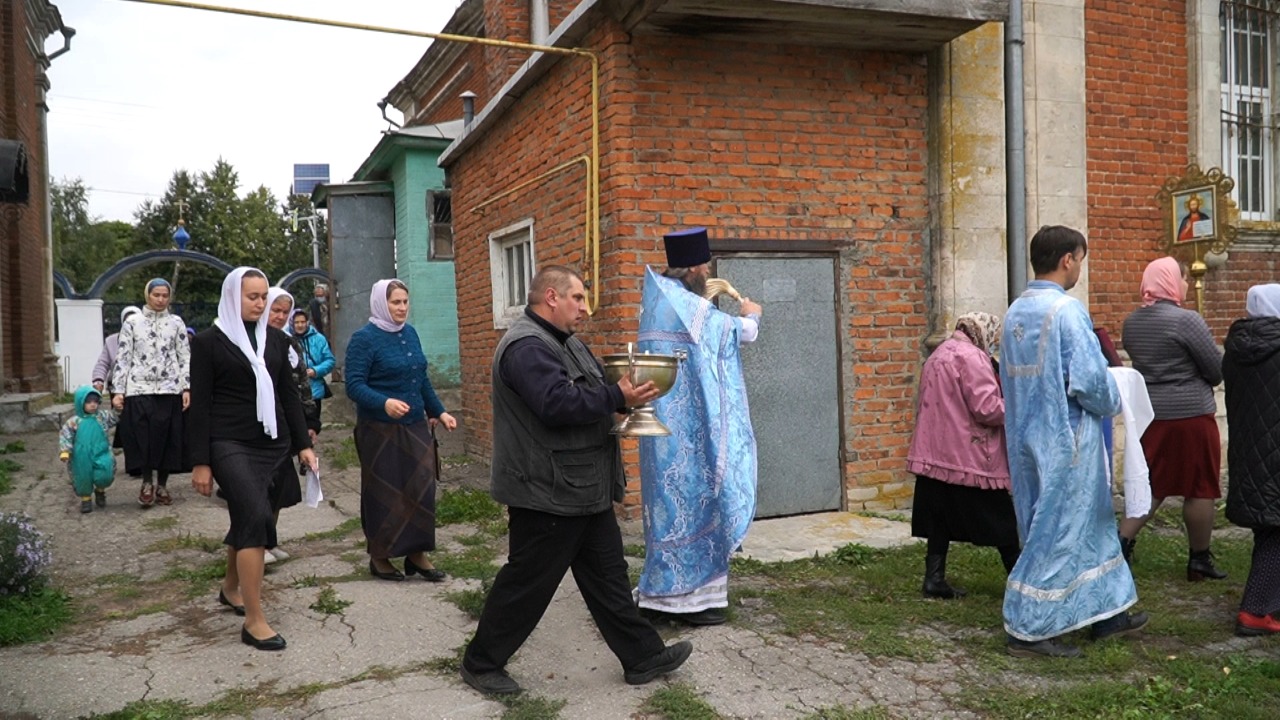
(84, 446)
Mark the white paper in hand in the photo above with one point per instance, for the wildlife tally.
(314, 495)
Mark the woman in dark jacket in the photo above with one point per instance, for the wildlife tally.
(397, 410)
(245, 421)
(1251, 369)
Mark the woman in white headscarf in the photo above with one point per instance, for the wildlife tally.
(245, 421)
(1251, 371)
(397, 410)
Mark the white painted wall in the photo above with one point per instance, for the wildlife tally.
(79, 339)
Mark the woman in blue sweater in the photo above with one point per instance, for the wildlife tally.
(397, 410)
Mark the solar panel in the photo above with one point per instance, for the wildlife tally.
(307, 175)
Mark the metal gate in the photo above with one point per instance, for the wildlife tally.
(792, 375)
(362, 237)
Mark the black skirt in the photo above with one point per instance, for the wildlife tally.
(151, 433)
(286, 487)
(398, 471)
(963, 514)
(244, 472)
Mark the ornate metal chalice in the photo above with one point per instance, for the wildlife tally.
(641, 368)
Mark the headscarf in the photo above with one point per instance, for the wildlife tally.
(982, 328)
(232, 324)
(127, 311)
(1162, 280)
(1263, 301)
(274, 294)
(380, 312)
(153, 282)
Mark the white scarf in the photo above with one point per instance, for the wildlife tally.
(1263, 301)
(231, 323)
(379, 311)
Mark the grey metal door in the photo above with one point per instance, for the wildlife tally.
(792, 374)
(362, 236)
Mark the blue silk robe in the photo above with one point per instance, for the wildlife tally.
(1057, 391)
(698, 485)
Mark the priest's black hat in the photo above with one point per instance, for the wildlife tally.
(687, 248)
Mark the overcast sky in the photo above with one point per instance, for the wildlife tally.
(147, 90)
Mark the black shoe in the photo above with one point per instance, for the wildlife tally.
(275, 642)
(1040, 648)
(428, 574)
(710, 616)
(935, 579)
(495, 682)
(1200, 566)
(222, 600)
(86, 505)
(100, 498)
(1119, 625)
(671, 657)
(395, 574)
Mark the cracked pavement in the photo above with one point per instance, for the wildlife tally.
(145, 638)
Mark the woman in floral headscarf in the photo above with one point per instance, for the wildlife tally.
(958, 453)
(397, 411)
(151, 385)
(1173, 349)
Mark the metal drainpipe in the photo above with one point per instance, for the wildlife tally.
(1015, 155)
(468, 109)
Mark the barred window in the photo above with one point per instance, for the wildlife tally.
(440, 214)
(1248, 29)
(511, 269)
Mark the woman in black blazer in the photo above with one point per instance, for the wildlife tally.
(245, 421)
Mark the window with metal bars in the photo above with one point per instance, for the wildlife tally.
(440, 213)
(511, 262)
(1248, 29)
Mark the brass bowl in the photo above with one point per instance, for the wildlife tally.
(661, 369)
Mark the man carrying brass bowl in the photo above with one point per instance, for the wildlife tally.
(558, 469)
(698, 484)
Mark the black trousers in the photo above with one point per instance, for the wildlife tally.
(543, 547)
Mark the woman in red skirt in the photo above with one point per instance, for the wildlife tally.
(1174, 350)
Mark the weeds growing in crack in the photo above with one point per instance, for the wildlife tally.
(150, 710)
(679, 701)
(343, 529)
(186, 541)
(634, 550)
(199, 578)
(328, 602)
(161, 523)
(449, 665)
(530, 707)
(476, 562)
(466, 506)
(308, 581)
(840, 712)
(344, 455)
(34, 616)
(469, 601)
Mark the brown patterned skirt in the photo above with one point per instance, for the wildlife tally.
(398, 470)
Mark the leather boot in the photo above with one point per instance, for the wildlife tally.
(935, 579)
(1126, 547)
(1200, 567)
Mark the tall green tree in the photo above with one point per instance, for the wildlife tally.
(83, 246)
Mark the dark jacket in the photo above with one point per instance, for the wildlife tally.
(552, 450)
(381, 365)
(223, 391)
(300, 380)
(1251, 369)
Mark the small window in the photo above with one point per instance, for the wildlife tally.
(440, 213)
(1248, 31)
(511, 268)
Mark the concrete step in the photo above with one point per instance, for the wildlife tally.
(22, 412)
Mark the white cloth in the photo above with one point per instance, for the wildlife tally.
(1263, 301)
(1135, 408)
(231, 322)
(379, 311)
(750, 329)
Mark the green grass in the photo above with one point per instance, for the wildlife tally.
(150, 710)
(186, 541)
(633, 550)
(470, 602)
(679, 702)
(344, 456)
(840, 712)
(161, 523)
(199, 578)
(475, 561)
(7, 468)
(530, 707)
(328, 602)
(466, 506)
(33, 617)
(343, 529)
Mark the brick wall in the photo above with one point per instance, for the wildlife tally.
(1136, 100)
(24, 307)
(755, 141)
(1226, 288)
(440, 101)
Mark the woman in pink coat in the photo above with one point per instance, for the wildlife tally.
(958, 453)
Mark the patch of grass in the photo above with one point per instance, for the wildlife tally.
(679, 701)
(474, 540)
(459, 460)
(450, 664)
(840, 712)
(150, 710)
(161, 523)
(309, 581)
(474, 562)
(116, 579)
(469, 601)
(343, 529)
(344, 456)
(151, 609)
(466, 506)
(11, 448)
(530, 707)
(328, 602)
(186, 541)
(7, 468)
(199, 578)
(33, 617)
(633, 550)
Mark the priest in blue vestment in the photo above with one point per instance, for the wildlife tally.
(1071, 573)
(698, 485)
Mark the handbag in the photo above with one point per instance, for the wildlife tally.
(328, 391)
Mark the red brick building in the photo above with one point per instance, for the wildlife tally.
(27, 362)
(843, 134)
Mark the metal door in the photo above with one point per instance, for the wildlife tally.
(362, 235)
(792, 375)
